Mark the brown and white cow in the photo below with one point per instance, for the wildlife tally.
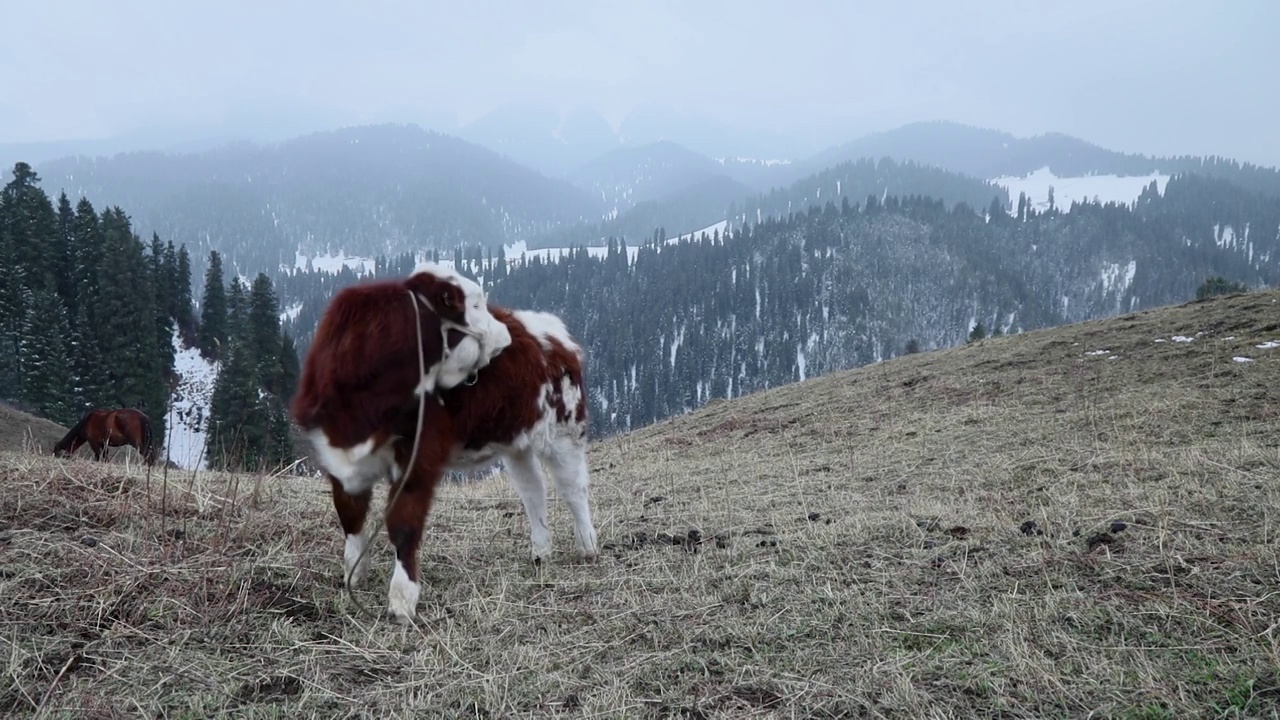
(524, 404)
(360, 385)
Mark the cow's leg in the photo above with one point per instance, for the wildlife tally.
(525, 473)
(567, 463)
(405, 521)
(352, 509)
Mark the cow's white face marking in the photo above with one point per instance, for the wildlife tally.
(486, 335)
(463, 359)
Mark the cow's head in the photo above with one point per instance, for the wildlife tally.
(463, 309)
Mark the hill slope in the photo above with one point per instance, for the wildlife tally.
(1021, 527)
(18, 429)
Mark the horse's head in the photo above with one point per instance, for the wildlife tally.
(67, 445)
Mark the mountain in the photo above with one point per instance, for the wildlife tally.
(363, 190)
(543, 138)
(718, 197)
(692, 208)
(652, 123)
(991, 154)
(630, 176)
(671, 326)
(853, 181)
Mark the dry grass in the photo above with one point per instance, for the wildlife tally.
(1010, 529)
(20, 431)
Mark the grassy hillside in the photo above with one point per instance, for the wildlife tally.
(23, 431)
(1070, 522)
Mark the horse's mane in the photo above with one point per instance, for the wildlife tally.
(74, 431)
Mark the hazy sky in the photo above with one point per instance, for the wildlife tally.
(1156, 76)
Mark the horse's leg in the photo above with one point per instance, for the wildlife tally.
(405, 520)
(567, 463)
(98, 450)
(352, 509)
(526, 476)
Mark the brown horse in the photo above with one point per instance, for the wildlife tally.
(103, 429)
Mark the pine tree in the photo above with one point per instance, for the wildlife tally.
(238, 311)
(87, 254)
(161, 286)
(32, 224)
(289, 367)
(237, 419)
(213, 310)
(66, 253)
(11, 315)
(264, 333)
(183, 305)
(126, 317)
(86, 367)
(47, 385)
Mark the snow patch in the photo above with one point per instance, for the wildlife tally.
(291, 313)
(1182, 339)
(754, 161)
(188, 416)
(334, 264)
(1269, 345)
(1118, 277)
(1103, 188)
(1242, 359)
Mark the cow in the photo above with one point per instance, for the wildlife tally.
(378, 357)
(524, 404)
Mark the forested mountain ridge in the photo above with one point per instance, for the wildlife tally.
(838, 286)
(720, 198)
(358, 191)
(366, 191)
(989, 154)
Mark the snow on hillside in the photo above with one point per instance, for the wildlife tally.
(517, 250)
(291, 312)
(1103, 188)
(332, 263)
(514, 252)
(189, 406)
(753, 161)
(710, 231)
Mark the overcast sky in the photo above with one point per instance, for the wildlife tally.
(1155, 76)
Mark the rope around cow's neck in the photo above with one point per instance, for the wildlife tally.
(413, 457)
